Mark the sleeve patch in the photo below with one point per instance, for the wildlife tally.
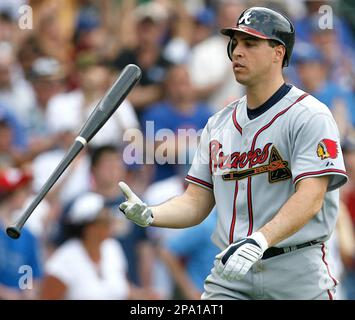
(327, 148)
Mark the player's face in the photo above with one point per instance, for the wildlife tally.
(252, 58)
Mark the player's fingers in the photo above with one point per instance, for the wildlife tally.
(219, 267)
(241, 274)
(221, 254)
(137, 209)
(237, 266)
(128, 193)
(244, 270)
(123, 206)
(126, 190)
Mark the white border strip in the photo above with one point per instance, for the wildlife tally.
(81, 140)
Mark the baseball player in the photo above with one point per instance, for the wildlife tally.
(271, 162)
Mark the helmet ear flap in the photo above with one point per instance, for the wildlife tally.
(230, 48)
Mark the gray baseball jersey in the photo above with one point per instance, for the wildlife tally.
(253, 166)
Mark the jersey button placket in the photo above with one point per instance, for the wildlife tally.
(246, 139)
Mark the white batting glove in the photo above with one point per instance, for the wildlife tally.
(236, 260)
(134, 209)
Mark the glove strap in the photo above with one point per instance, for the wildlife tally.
(260, 239)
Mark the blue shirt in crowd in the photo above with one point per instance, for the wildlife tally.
(130, 242)
(15, 254)
(330, 92)
(19, 139)
(165, 116)
(195, 246)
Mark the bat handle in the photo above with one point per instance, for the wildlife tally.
(14, 231)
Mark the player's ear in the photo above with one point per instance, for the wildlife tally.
(279, 53)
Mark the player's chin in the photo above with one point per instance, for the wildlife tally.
(242, 79)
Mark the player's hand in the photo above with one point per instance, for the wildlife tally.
(235, 261)
(134, 209)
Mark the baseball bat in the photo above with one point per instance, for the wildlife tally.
(129, 76)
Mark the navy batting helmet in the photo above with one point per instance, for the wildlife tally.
(264, 23)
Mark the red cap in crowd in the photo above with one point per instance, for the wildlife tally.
(12, 179)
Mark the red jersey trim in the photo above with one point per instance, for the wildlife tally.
(199, 182)
(317, 173)
(234, 117)
(234, 217)
(327, 266)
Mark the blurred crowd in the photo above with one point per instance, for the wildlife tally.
(77, 244)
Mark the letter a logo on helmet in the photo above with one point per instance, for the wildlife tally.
(327, 149)
(246, 18)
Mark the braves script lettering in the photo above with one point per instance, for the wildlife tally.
(236, 160)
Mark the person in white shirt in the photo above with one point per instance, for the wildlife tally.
(76, 106)
(89, 265)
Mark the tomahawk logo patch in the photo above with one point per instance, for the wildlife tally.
(277, 169)
(327, 149)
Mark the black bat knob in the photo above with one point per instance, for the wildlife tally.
(13, 232)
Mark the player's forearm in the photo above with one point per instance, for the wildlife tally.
(184, 211)
(297, 211)
(180, 212)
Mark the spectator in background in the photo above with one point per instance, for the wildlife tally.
(15, 255)
(187, 31)
(313, 74)
(156, 193)
(27, 54)
(342, 252)
(107, 168)
(348, 193)
(15, 92)
(7, 31)
(11, 7)
(348, 198)
(189, 256)
(47, 77)
(337, 55)
(149, 22)
(9, 24)
(178, 110)
(76, 106)
(89, 265)
(210, 69)
(313, 17)
(76, 179)
(52, 22)
(6, 157)
(12, 140)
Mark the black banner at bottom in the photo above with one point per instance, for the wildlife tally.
(179, 309)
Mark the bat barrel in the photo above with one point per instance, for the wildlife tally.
(128, 78)
(15, 230)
